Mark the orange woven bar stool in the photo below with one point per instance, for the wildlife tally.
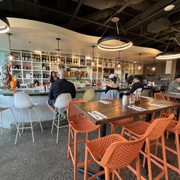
(174, 127)
(153, 131)
(78, 124)
(114, 152)
(120, 123)
(159, 96)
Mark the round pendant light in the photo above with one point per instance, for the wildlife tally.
(4, 25)
(169, 55)
(113, 42)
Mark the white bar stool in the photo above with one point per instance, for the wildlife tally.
(23, 102)
(61, 105)
(4, 108)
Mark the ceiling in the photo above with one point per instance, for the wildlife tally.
(144, 22)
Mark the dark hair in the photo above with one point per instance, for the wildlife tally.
(114, 79)
(51, 78)
(177, 76)
(137, 77)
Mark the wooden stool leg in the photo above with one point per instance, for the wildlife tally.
(138, 169)
(149, 159)
(164, 157)
(75, 156)
(177, 149)
(69, 141)
(86, 163)
(107, 173)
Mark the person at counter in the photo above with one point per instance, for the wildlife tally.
(53, 77)
(112, 84)
(60, 86)
(136, 84)
(174, 86)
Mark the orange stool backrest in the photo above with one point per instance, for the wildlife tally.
(158, 126)
(159, 96)
(121, 154)
(72, 110)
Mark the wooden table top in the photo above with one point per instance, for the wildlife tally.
(115, 110)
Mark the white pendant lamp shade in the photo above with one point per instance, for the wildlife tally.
(4, 25)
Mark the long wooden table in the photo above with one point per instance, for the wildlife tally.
(116, 111)
(172, 95)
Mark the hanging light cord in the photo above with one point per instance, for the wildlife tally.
(93, 52)
(9, 39)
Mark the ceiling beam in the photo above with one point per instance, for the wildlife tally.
(86, 20)
(119, 10)
(76, 11)
(153, 11)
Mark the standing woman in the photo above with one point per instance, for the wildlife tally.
(53, 78)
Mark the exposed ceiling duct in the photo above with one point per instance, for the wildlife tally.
(106, 4)
(158, 25)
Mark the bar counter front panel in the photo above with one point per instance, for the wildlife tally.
(40, 97)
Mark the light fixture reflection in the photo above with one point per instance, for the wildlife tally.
(153, 68)
(139, 67)
(165, 56)
(169, 55)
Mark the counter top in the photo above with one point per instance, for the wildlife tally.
(41, 92)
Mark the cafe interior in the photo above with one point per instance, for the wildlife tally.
(89, 89)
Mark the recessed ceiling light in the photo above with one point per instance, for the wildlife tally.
(169, 7)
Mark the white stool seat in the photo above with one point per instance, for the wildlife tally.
(61, 105)
(23, 102)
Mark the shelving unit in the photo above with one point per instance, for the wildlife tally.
(29, 67)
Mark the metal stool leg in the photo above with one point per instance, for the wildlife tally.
(37, 113)
(14, 119)
(31, 125)
(58, 128)
(54, 116)
(22, 121)
(16, 133)
(1, 124)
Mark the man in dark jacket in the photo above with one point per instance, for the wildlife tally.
(136, 84)
(61, 86)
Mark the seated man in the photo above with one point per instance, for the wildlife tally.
(174, 86)
(136, 84)
(112, 85)
(60, 86)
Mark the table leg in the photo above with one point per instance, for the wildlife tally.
(102, 134)
(148, 117)
(178, 111)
